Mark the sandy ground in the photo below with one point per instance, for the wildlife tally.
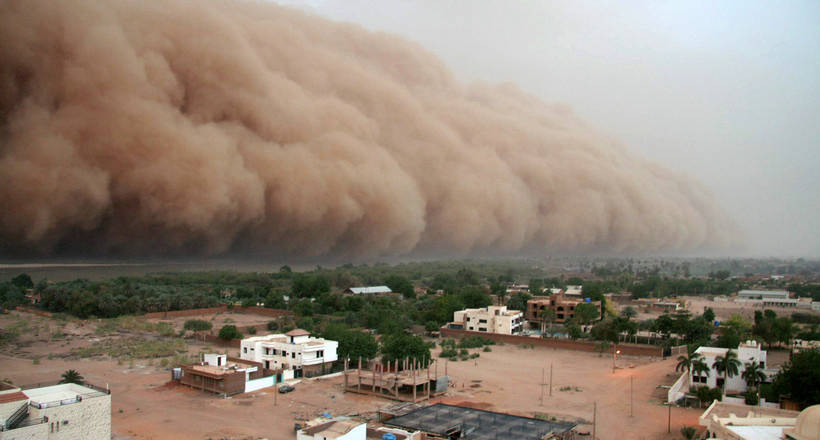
(218, 320)
(507, 379)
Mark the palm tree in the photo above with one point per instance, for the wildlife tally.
(728, 366)
(699, 368)
(685, 361)
(72, 376)
(753, 375)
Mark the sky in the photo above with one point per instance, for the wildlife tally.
(728, 92)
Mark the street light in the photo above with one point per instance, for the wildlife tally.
(615, 354)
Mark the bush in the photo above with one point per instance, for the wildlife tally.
(251, 330)
(474, 355)
(273, 325)
(487, 349)
(448, 353)
(229, 332)
(750, 397)
(197, 325)
(474, 342)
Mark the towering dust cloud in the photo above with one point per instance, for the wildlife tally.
(207, 127)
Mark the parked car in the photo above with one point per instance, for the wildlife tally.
(286, 389)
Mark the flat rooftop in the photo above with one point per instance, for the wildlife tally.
(476, 424)
(230, 368)
(64, 391)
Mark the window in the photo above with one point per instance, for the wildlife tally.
(244, 349)
(293, 355)
(482, 321)
(467, 319)
(482, 329)
(320, 353)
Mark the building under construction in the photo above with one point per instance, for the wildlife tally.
(450, 422)
(407, 381)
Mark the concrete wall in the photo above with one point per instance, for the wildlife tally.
(33, 432)
(566, 344)
(258, 384)
(274, 313)
(89, 419)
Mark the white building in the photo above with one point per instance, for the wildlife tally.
(574, 290)
(374, 290)
(492, 319)
(295, 352)
(64, 411)
(749, 351)
(729, 421)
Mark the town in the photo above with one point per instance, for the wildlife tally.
(473, 350)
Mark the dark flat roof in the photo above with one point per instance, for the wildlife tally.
(476, 424)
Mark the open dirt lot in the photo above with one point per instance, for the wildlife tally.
(507, 379)
(217, 319)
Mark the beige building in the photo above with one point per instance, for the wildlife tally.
(563, 308)
(491, 319)
(57, 412)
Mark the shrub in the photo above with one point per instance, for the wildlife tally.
(273, 325)
(750, 397)
(487, 349)
(251, 330)
(474, 355)
(229, 332)
(474, 342)
(197, 325)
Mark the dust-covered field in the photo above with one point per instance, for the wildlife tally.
(134, 357)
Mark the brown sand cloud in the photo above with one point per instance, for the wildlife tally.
(205, 127)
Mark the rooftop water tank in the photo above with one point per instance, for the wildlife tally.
(389, 436)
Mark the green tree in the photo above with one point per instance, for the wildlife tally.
(709, 315)
(401, 285)
(197, 325)
(685, 361)
(72, 376)
(799, 379)
(753, 375)
(23, 281)
(699, 368)
(727, 365)
(708, 395)
(400, 346)
(518, 301)
(629, 312)
(586, 313)
(229, 332)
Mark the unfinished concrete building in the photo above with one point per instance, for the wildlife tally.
(407, 380)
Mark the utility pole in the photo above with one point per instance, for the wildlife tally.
(631, 407)
(669, 420)
(550, 379)
(594, 419)
(542, 386)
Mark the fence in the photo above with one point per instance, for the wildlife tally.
(679, 389)
(274, 313)
(626, 349)
(33, 311)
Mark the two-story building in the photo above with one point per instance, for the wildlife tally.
(563, 308)
(491, 319)
(295, 352)
(62, 411)
(748, 351)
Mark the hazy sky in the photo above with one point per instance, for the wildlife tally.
(727, 91)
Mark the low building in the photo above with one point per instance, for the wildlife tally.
(295, 352)
(62, 411)
(799, 345)
(373, 290)
(574, 291)
(730, 421)
(491, 319)
(748, 351)
(221, 374)
(563, 308)
(767, 298)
